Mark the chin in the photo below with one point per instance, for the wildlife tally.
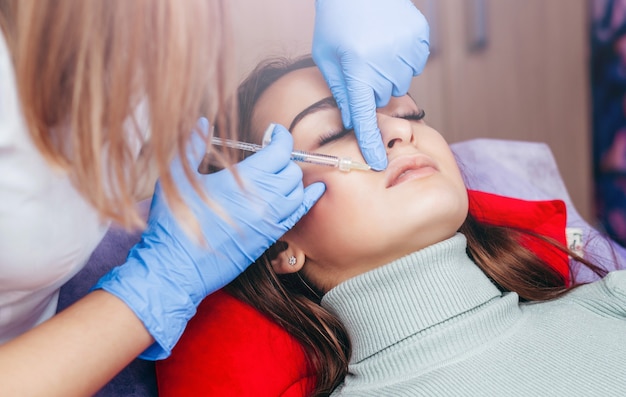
(443, 203)
(438, 222)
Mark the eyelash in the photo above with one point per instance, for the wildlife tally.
(333, 135)
(420, 115)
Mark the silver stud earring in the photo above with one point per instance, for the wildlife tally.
(292, 260)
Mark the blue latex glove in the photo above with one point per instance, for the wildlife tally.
(168, 273)
(369, 50)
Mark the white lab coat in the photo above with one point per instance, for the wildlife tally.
(47, 229)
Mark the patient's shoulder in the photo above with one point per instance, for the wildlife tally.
(605, 297)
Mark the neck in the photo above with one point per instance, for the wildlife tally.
(409, 295)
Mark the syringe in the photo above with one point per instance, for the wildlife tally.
(343, 163)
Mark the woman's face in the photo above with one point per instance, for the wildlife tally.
(366, 218)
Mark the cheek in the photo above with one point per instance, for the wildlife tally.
(341, 213)
(339, 204)
(359, 220)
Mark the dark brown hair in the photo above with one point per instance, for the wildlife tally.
(292, 302)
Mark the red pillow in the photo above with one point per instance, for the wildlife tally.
(230, 349)
(547, 218)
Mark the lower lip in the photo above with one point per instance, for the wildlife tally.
(414, 174)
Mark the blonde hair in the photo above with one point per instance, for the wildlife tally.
(83, 69)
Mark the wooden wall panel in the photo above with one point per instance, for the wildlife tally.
(271, 28)
(530, 81)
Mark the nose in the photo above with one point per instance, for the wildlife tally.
(395, 131)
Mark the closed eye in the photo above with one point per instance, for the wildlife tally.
(333, 136)
(414, 116)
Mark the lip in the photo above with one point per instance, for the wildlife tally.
(408, 167)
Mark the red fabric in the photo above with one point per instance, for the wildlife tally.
(229, 349)
(547, 218)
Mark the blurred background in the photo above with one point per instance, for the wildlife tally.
(552, 71)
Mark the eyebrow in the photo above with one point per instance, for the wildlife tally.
(323, 104)
(326, 103)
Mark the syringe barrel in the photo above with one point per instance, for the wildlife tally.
(315, 158)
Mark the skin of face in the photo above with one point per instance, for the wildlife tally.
(365, 219)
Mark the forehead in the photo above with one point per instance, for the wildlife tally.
(288, 96)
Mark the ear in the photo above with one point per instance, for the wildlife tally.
(290, 260)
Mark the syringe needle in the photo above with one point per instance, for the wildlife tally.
(343, 163)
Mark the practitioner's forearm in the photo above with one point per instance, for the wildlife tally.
(76, 352)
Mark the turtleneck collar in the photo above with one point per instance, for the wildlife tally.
(384, 306)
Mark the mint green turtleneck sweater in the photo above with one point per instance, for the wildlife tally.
(432, 324)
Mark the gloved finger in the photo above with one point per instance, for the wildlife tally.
(312, 193)
(366, 126)
(405, 66)
(334, 76)
(382, 92)
(403, 80)
(197, 146)
(416, 60)
(276, 155)
(417, 55)
(283, 182)
(194, 152)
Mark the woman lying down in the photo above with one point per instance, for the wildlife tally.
(394, 290)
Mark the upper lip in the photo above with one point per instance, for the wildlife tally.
(399, 165)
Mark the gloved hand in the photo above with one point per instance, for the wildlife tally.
(168, 273)
(367, 51)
